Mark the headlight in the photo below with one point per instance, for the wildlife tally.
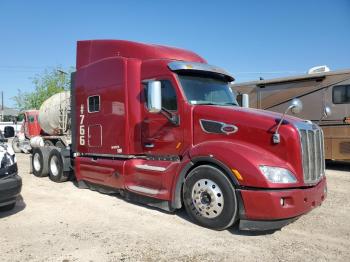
(277, 175)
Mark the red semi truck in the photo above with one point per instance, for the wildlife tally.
(29, 129)
(48, 126)
(161, 126)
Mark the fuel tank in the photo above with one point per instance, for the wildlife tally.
(53, 114)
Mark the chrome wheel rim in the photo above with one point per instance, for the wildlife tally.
(54, 165)
(36, 162)
(207, 198)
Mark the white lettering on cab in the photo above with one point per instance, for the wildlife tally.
(81, 126)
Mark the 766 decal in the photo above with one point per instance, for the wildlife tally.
(81, 126)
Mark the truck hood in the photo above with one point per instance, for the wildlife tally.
(246, 118)
(254, 131)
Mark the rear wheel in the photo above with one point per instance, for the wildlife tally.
(40, 158)
(56, 170)
(210, 198)
(48, 143)
(59, 144)
(15, 145)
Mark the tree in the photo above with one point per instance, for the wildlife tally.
(50, 82)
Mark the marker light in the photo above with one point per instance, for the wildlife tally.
(237, 174)
(277, 175)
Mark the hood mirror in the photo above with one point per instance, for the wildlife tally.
(327, 111)
(296, 106)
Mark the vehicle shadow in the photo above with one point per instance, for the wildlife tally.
(20, 205)
(236, 231)
(338, 165)
(181, 213)
(233, 229)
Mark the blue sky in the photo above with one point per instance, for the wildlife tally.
(247, 38)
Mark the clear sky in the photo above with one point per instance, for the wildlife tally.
(247, 38)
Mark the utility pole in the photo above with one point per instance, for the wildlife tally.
(2, 106)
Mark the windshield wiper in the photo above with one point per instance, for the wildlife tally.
(216, 104)
(204, 103)
(230, 104)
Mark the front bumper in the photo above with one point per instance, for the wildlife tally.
(10, 187)
(280, 207)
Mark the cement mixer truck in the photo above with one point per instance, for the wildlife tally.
(161, 126)
(48, 126)
(54, 120)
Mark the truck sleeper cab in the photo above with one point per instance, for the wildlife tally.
(160, 125)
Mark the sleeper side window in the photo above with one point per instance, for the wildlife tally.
(341, 94)
(94, 104)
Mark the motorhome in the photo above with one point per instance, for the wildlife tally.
(326, 102)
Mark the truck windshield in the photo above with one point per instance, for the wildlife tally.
(203, 90)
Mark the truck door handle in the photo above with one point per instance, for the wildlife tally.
(149, 145)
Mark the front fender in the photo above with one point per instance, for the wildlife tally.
(243, 157)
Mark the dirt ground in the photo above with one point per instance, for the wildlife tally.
(59, 222)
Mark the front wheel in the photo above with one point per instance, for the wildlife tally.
(8, 207)
(209, 198)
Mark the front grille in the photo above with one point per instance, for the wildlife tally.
(313, 154)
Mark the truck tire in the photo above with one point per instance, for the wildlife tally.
(60, 144)
(48, 143)
(40, 161)
(209, 198)
(15, 145)
(56, 172)
(8, 207)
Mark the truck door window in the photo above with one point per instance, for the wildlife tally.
(20, 118)
(169, 99)
(94, 104)
(341, 94)
(168, 96)
(31, 119)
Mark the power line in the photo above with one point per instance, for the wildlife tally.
(21, 66)
(269, 72)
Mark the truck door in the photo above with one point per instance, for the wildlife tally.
(159, 135)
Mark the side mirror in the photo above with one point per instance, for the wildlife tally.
(245, 100)
(9, 131)
(296, 106)
(154, 96)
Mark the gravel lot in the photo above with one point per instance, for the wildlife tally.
(59, 222)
